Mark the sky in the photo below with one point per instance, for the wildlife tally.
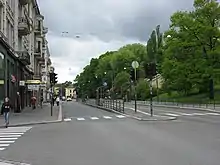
(101, 25)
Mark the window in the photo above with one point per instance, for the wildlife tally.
(1, 18)
(39, 24)
(2, 77)
(1, 66)
(12, 36)
(70, 91)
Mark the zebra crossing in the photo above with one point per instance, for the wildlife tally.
(177, 114)
(93, 118)
(9, 135)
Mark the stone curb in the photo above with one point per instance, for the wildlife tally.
(170, 106)
(33, 123)
(131, 116)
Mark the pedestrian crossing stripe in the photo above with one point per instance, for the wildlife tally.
(80, 119)
(107, 117)
(94, 118)
(9, 135)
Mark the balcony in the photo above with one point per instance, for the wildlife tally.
(49, 61)
(24, 2)
(23, 27)
(24, 57)
(45, 30)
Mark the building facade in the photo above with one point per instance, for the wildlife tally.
(23, 49)
(70, 92)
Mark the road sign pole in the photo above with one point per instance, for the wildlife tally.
(135, 90)
(135, 65)
(151, 98)
(51, 106)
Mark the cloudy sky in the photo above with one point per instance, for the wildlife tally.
(102, 25)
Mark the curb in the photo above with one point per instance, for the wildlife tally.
(33, 123)
(192, 108)
(134, 117)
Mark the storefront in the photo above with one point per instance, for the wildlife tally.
(8, 76)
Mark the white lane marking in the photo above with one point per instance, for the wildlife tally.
(7, 141)
(68, 119)
(8, 138)
(143, 112)
(94, 118)
(107, 117)
(80, 119)
(11, 133)
(4, 136)
(171, 114)
(120, 116)
(15, 129)
(216, 114)
(4, 145)
(187, 114)
(199, 114)
(1, 149)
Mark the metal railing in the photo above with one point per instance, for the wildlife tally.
(117, 105)
(210, 105)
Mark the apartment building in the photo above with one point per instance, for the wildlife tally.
(23, 49)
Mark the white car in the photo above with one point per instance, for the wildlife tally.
(68, 99)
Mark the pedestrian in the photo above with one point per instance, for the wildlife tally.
(58, 100)
(41, 101)
(6, 107)
(18, 99)
(33, 102)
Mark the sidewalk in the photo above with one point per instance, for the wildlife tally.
(144, 116)
(29, 116)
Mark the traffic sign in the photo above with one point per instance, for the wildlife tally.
(135, 64)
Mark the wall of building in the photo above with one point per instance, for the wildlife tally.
(11, 12)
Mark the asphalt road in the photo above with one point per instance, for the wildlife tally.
(181, 114)
(124, 142)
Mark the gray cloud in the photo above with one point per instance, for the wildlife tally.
(102, 25)
(110, 19)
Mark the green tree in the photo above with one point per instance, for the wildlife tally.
(192, 51)
(142, 89)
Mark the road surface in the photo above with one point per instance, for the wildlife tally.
(118, 141)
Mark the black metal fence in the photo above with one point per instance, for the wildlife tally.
(117, 105)
(210, 105)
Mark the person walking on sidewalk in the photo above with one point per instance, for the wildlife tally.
(33, 102)
(6, 107)
(58, 101)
